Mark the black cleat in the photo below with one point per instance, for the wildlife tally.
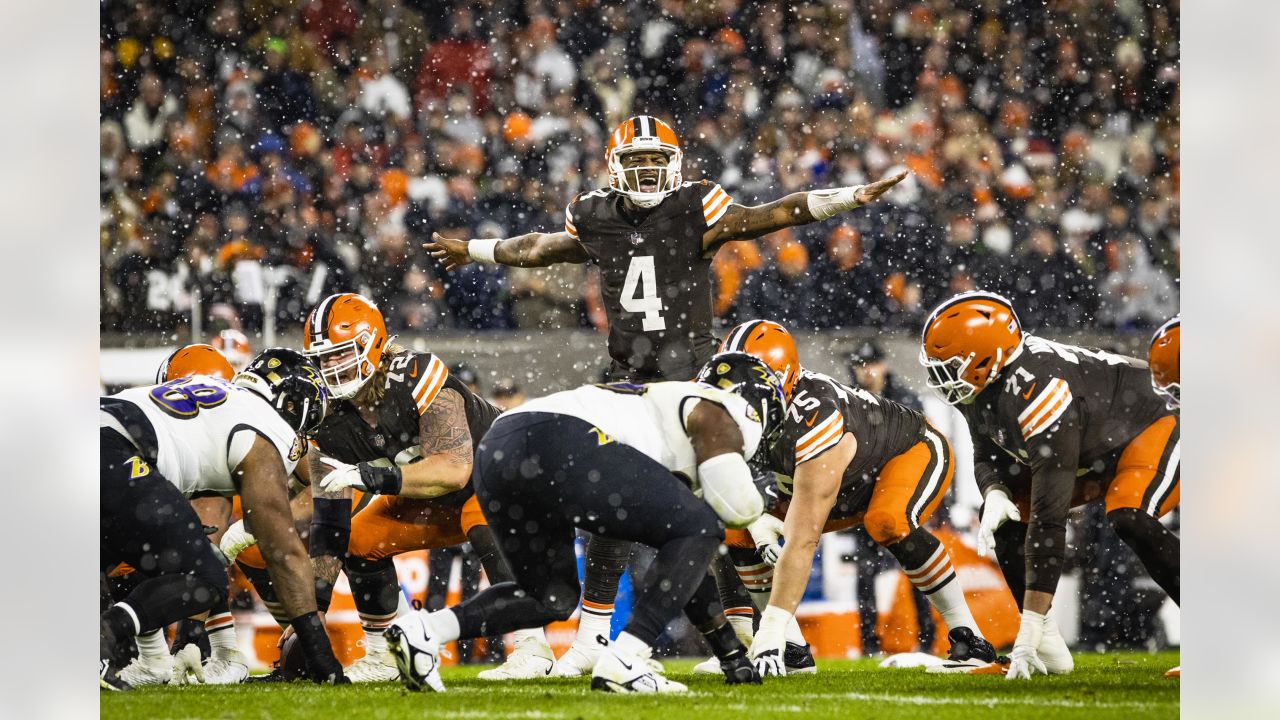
(109, 679)
(799, 659)
(968, 651)
(738, 670)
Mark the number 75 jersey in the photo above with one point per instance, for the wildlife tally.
(655, 276)
(197, 429)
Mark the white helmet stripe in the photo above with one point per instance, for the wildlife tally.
(738, 336)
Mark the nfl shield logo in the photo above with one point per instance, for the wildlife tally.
(636, 238)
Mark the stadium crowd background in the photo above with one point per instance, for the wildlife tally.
(296, 148)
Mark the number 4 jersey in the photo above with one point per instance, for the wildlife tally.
(197, 429)
(654, 276)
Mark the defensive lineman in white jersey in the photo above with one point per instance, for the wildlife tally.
(163, 443)
(662, 464)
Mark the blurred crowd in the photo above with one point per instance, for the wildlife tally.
(257, 155)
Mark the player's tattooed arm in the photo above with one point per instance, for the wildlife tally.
(447, 450)
(741, 222)
(330, 523)
(528, 250)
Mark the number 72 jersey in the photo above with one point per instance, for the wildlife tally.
(655, 276)
(196, 430)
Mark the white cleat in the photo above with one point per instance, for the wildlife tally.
(416, 651)
(581, 657)
(621, 672)
(531, 658)
(145, 672)
(377, 667)
(710, 666)
(1053, 650)
(226, 667)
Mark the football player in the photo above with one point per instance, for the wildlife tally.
(1054, 426)
(1164, 358)
(662, 464)
(165, 443)
(652, 235)
(400, 430)
(846, 456)
(154, 665)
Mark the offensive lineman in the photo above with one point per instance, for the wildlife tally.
(164, 443)
(846, 456)
(653, 236)
(1054, 426)
(622, 461)
(401, 431)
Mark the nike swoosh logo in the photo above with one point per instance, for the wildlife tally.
(809, 422)
(1028, 395)
(623, 663)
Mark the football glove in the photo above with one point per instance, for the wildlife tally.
(766, 531)
(997, 509)
(770, 642)
(1025, 661)
(363, 477)
(235, 541)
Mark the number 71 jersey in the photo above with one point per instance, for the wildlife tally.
(197, 429)
(655, 276)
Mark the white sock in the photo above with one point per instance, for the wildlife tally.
(793, 633)
(152, 648)
(221, 630)
(444, 624)
(519, 635)
(742, 627)
(951, 605)
(375, 642)
(632, 645)
(593, 622)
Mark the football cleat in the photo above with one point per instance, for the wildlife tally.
(621, 672)
(710, 666)
(149, 671)
(799, 659)
(1175, 672)
(581, 657)
(416, 651)
(379, 667)
(1053, 650)
(531, 658)
(109, 679)
(226, 667)
(968, 651)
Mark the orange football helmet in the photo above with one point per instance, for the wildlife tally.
(770, 342)
(1163, 358)
(346, 336)
(235, 346)
(967, 341)
(638, 134)
(196, 359)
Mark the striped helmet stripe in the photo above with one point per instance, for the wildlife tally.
(320, 318)
(965, 297)
(738, 336)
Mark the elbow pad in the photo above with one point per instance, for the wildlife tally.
(728, 488)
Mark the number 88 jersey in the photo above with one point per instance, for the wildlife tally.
(655, 276)
(196, 430)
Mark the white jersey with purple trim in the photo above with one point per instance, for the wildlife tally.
(650, 418)
(204, 427)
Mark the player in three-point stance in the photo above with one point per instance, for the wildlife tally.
(846, 456)
(166, 443)
(663, 464)
(652, 235)
(1054, 426)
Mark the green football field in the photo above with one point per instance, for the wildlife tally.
(1117, 685)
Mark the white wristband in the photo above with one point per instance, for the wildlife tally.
(825, 203)
(482, 250)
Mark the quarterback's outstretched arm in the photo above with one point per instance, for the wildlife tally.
(741, 222)
(529, 250)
